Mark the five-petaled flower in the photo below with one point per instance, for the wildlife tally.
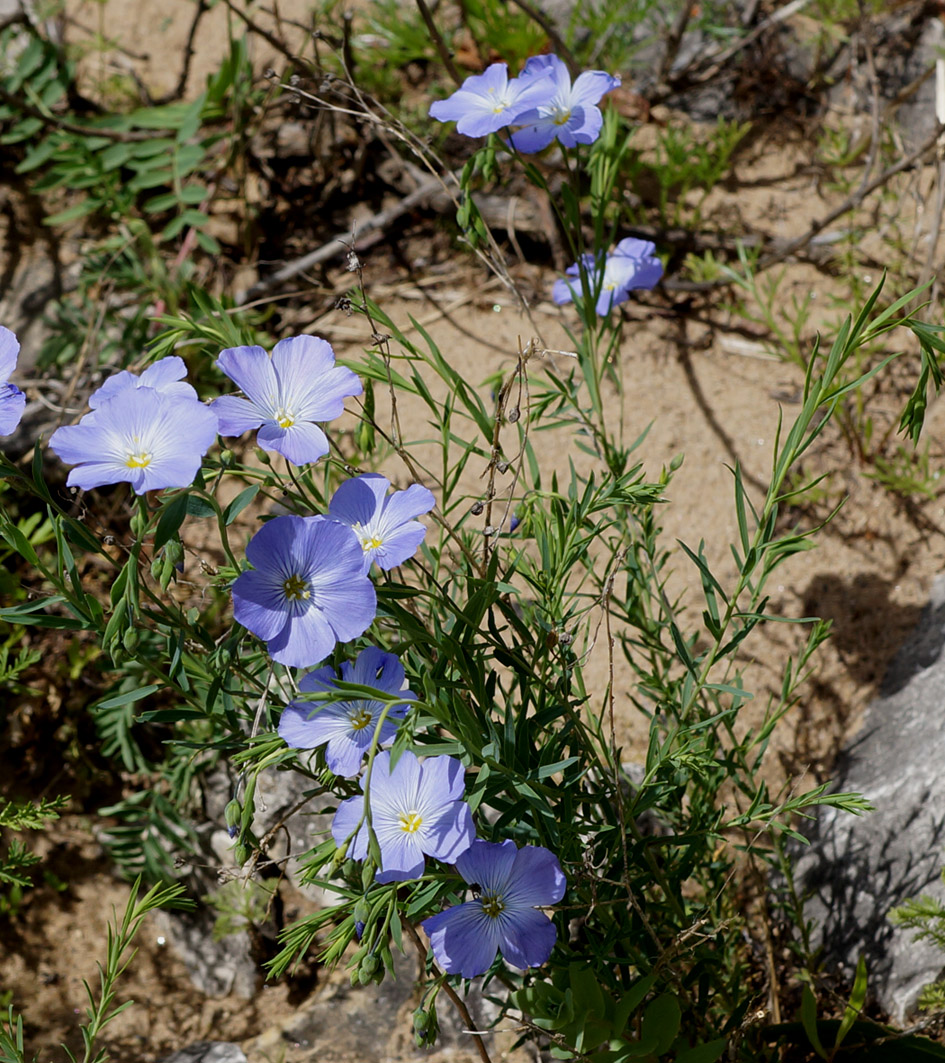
(141, 436)
(12, 400)
(488, 101)
(611, 279)
(512, 883)
(571, 115)
(347, 728)
(165, 376)
(384, 524)
(416, 810)
(285, 395)
(306, 590)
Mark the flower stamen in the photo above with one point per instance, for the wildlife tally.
(360, 718)
(410, 822)
(296, 589)
(141, 460)
(492, 905)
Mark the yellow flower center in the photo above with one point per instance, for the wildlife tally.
(360, 718)
(562, 117)
(410, 822)
(139, 460)
(284, 419)
(370, 542)
(296, 589)
(492, 905)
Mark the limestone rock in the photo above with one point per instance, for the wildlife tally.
(859, 867)
(207, 1052)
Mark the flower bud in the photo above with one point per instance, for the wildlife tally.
(232, 815)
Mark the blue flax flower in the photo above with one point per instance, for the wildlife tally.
(504, 917)
(306, 590)
(632, 265)
(285, 395)
(12, 400)
(346, 728)
(165, 376)
(488, 101)
(142, 437)
(384, 524)
(568, 113)
(416, 810)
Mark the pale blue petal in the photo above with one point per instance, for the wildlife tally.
(454, 107)
(526, 937)
(165, 372)
(464, 939)
(397, 792)
(325, 398)
(236, 415)
(534, 879)
(591, 86)
(344, 824)
(533, 91)
(485, 120)
(607, 300)
(305, 639)
(444, 778)
(583, 127)
(450, 833)
(300, 360)
(12, 405)
(359, 499)
(9, 349)
(398, 546)
(114, 385)
(488, 863)
(307, 725)
(344, 753)
(562, 291)
(375, 668)
(401, 858)
(250, 368)
(535, 137)
(277, 548)
(300, 444)
(350, 604)
(259, 604)
(631, 247)
(540, 64)
(99, 474)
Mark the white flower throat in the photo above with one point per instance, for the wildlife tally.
(370, 540)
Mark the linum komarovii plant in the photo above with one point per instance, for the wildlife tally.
(277, 603)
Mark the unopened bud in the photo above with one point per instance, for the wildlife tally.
(232, 815)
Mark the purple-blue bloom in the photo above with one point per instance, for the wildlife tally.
(384, 524)
(512, 882)
(488, 101)
(416, 810)
(12, 400)
(285, 395)
(570, 115)
(165, 376)
(143, 437)
(306, 590)
(346, 728)
(632, 265)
